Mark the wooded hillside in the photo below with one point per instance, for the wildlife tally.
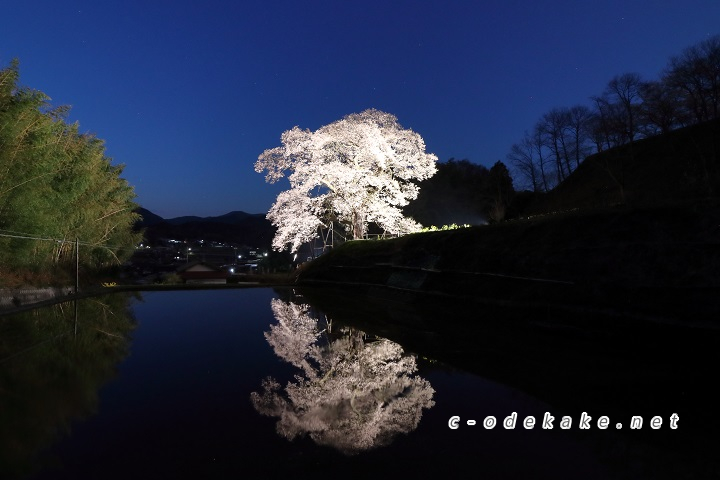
(57, 187)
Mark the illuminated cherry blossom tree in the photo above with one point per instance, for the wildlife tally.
(354, 395)
(355, 171)
(294, 336)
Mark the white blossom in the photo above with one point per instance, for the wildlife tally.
(293, 337)
(354, 394)
(356, 171)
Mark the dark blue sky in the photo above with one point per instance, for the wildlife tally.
(187, 94)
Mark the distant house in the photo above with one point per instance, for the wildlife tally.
(199, 272)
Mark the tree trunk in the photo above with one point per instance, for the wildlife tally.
(358, 225)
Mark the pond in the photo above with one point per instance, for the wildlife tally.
(228, 383)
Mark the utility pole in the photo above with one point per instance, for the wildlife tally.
(77, 265)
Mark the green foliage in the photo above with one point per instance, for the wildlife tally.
(171, 279)
(463, 192)
(454, 226)
(57, 183)
(276, 262)
(502, 191)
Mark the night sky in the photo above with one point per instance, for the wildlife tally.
(187, 94)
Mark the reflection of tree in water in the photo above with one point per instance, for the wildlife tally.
(51, 368)
(355, 394)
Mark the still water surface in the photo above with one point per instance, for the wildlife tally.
(236, 383)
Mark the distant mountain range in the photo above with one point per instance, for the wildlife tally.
(251, 229)
(231, 218)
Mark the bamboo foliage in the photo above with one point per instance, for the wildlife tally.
(57, 183)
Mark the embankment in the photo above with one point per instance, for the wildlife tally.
(661, 262)
(14, 298)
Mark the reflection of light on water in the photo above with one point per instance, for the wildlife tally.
(353, 394)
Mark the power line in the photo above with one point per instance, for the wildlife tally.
(30, 236)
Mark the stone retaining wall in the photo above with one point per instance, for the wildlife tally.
(26, 296)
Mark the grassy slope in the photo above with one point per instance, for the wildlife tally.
(657, 253)
(679, 166)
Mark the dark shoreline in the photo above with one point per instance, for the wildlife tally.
(96, 291)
